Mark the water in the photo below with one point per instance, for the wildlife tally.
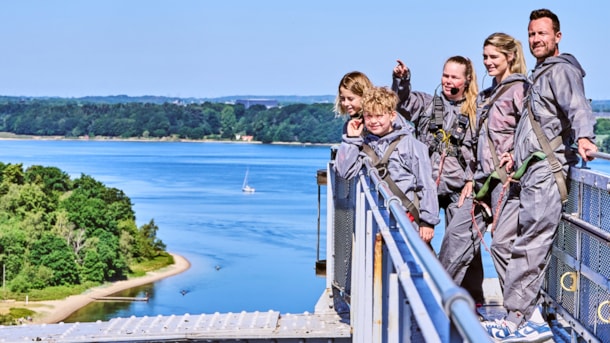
(265, 242)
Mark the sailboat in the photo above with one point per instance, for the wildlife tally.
(245, 187)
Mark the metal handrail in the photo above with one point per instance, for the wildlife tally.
(458, 304)
(398, 231)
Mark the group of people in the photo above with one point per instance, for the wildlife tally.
(494, 159)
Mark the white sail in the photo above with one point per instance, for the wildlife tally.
(245, 187)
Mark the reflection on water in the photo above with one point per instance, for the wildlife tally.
(106, 310)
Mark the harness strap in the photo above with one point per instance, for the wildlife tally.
(499, 170)
(381, 166)
(437, 114)
(548, 147)
(536, 156)
(441, 164)
(556, 166)
(474, 221)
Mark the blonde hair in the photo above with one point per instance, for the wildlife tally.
(469, 106)
(508, 46)
(379, 100)
(356, 82)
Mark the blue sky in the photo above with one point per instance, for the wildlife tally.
(207, 48)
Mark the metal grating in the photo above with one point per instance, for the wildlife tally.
(561, 285)
(572, 203)
(591, 188)
(604, 205)
(578, 275)
(595, 309)
(344, 193)
(249, 326)
(565, 240)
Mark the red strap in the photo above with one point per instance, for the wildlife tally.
(410, 216)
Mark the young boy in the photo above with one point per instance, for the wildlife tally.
(408, 164)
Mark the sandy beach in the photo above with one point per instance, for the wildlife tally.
(54, 311)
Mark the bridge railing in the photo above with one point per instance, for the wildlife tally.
(577, 285)
(394, 286)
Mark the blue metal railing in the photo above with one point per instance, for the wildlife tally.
(577, 285)
(399, 291)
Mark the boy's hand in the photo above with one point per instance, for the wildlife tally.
(426, 233)
(355, 127)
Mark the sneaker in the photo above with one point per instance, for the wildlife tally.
(530, 332)
(498, 329)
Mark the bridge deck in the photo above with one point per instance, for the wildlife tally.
(322, 326)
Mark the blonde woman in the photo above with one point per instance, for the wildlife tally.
(444, 121)
(499, 110)
(349, 93)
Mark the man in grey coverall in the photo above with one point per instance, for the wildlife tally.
(521, 251)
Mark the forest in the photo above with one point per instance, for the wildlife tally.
(57, 231)
(297, 119)
(304, 123)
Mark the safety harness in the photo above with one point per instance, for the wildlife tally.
(446, 140)
(382, 168)
(484, 121)
(548, 147)
(499, 173)
(549, 150)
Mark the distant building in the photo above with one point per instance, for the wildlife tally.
(244, 138)
(269, 103)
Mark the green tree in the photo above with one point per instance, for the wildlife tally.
(149, 245)
(13, 246)
(55, 231)
(605, 145)
(93, 267)
(115, 265)
(228, 123)
(33, 199)
(75, 238)
(13, 173)
(196, 121)
(602, 127)
(88, 213)
(283, 133)
(127, 241)
(53, 252)
(93, 206)
(51, 179)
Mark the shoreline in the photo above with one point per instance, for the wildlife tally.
(10, 136)
(55, 311)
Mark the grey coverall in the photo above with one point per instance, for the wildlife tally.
(499, 108)
(452, 161)
(521, 251)
(408, 166)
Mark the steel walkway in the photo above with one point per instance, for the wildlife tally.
(323, 326)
